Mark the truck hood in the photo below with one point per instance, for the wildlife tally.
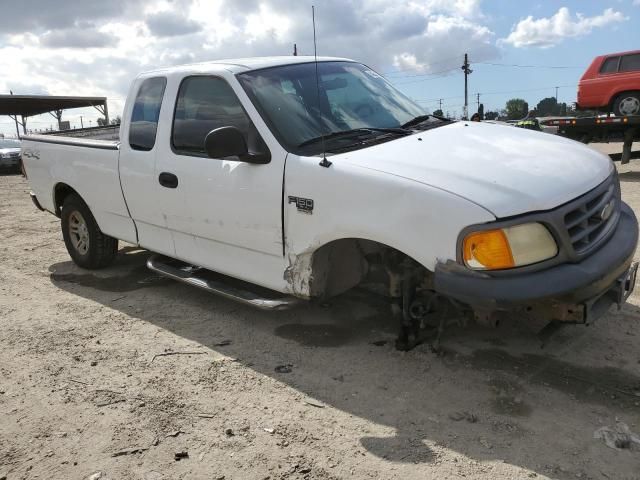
(506, 170)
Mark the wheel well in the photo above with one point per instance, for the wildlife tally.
(345, 263)
(61, 191)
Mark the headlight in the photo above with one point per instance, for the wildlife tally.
(508, 247)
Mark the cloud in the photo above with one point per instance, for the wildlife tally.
(44, 14)
(442, 46)
(78, 38)
(459, 8)
(114, 40)
(171, 24)
(548, 32)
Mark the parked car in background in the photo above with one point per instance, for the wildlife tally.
(10, 156)
(612, 83)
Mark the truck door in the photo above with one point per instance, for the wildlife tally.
(229, 217)
(138, 150)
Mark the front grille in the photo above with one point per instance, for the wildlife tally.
(593, 216)
(580, 226)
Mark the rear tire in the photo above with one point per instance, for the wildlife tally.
(627, 103)
(87, 245)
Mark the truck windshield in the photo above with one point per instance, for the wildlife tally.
(351, 98)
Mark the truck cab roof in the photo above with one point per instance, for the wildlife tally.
(240, 65)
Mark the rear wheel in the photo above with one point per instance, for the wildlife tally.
(627, 104)
(86, 244)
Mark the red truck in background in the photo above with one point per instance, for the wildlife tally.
(612, 83)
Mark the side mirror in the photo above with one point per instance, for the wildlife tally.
(229, 141)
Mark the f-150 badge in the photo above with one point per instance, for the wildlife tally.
(304, 205)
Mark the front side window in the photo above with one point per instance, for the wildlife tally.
(630, 63)
(146, 111)
(346, 96)
(610, 65)
(204, 104)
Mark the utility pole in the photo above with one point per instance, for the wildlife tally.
(478, 100)
(556, 95)
(467, 71)
(81, 124)
(440, 104)
(295, 50)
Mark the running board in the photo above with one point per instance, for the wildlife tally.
(223, 285)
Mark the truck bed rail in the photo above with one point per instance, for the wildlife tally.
(74, 141)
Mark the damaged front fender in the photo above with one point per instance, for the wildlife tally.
(299, 274)
(327, 271)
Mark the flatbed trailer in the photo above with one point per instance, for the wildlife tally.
(600, 130)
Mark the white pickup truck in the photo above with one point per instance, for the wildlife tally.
(271, 180)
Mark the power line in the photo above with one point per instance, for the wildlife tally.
(448, 59)
(500, 92)
(427, 100)
(451, 73)
(530, 89)
(424, 74)
(525, 66)
(434, 74)
(412, 69)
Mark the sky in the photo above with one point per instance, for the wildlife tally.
(516, 48)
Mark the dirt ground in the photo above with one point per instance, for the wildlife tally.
(110, 374)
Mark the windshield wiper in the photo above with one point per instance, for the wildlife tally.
(423, 118)
(354, 132)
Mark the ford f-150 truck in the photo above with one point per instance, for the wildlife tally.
(271, 180)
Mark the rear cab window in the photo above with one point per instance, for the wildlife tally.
(610, 65)
(205, 103)
(630, 63)
(145, 114)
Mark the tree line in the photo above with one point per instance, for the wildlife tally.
(517, 108)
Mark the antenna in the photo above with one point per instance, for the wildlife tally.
(324, 163)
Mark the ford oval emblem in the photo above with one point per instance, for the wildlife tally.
(606, 211)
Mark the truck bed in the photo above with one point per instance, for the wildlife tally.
(85, 160)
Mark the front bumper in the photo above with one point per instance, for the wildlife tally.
(576, 292)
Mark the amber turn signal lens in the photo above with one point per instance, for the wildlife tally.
(488, 250)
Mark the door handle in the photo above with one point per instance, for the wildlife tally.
(168, 180)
